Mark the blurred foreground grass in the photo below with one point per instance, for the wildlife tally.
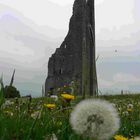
(27, 119)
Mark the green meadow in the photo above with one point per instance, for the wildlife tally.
(26, 119)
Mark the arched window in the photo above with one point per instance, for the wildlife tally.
(61, 71)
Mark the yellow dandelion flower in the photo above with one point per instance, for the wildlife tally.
(59, 123)
(120, 137)
(129, 110)
(10, 113)
(50, 106)
(36, 114)
(68, 97)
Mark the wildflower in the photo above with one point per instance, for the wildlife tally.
(97, 119)
(55, 97)
(7, 103)
(36, 114)
(119, 109)
(58, 89)
(39, 107)
(9, 113)
(125, 113)
(68, 97)
(59, 123)
(50, 106)
(120, 137)
(129, 110)
(129, 107)
(53, 137)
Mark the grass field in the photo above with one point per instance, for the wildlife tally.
(27, 119)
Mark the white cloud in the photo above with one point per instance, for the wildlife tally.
(62, 2)
(109, 13)
(66, 2)
(120, 81)
(125, 78)
(117, 28)
(113, 14)
(14, 47)
(42, 12)
(104, 83)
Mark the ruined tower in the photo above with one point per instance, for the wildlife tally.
(67, 63)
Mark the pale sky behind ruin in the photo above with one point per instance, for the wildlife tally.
(31, 30)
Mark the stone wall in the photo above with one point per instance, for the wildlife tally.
(65, 65)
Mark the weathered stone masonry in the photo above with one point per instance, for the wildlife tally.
(65, 65)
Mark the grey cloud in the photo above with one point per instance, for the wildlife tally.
(41, 41)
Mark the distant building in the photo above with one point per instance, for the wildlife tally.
(65, 65)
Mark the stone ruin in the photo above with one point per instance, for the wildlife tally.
(65, 65)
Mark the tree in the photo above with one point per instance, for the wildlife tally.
(11, 92)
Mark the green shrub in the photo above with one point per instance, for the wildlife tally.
(11, 92)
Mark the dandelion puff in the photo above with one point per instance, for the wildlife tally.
(137, 138)
(36, 114)
(7, 103)
(97, 119)
(54, 137)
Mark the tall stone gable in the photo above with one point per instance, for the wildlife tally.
(65, 65)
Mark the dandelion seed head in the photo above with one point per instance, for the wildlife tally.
(36, 114)
(54, 137)
(95, 118)
(137, 138)
(130, 106)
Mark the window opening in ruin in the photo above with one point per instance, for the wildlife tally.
(60, 71)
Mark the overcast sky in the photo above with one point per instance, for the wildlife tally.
(31, 30)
